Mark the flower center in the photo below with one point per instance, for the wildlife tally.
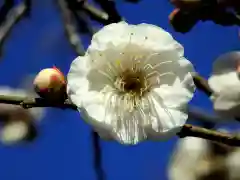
(132, 82)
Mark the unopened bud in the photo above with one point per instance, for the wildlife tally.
(50, 84)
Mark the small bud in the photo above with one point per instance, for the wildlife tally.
(50, 84)
(182, 21)
(186, 4)
(172, 14)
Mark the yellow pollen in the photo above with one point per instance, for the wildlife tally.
(118, 62)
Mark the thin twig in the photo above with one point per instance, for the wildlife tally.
(12, 18)
(83, 23)
(109, 6)
(216, 136)
(28, 4)
(98, 156)
(96, 14)
(70, 29)
(202, 84)
(4, 10)
(35, 102)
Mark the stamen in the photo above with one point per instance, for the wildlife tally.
(149, 66)
(167, 73)
(106, 75)
(111, 69)
(149, 57)
(132, 85)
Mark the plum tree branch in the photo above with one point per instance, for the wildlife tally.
(32, 102)
(212, 135)
(187, 130)
(202, 84)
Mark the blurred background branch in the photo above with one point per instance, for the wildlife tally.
(70, 28)
(9, 16)
(110, 8)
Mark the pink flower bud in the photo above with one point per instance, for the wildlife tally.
(50, 84)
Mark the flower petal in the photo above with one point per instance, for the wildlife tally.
(227, 102)
(222, 82)
(166, 66)
(227, 62)
(188, 153)
(175, 96)
(155, 38)
(185, 73)
(126, 37)
(166, 120)
(13, 132)
(233, 164)
(109, 36)
(124, 126)
(78, 84)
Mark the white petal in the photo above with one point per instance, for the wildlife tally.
(155, 38)
(94, 111)
(227, 62)
(185, 74)
(78, 84)
(227, 102)
(221, 82)
(189, 152)
(166, 120)
(233, 164)
(130, 128)
(124, 126)
(13, 132)
(131, 38)
(109, 36)
(167, 66)
(176, 96)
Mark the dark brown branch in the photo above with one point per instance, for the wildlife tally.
(35, 102)
(202, 84)
(109, 6)
(6, 7)
(28, 4)
(220, 137)
(98, 156)
(187, 130)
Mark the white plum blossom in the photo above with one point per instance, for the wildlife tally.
(133, 83)
(199, 159)
(225, 84)
(189, 151)
(16, 122)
